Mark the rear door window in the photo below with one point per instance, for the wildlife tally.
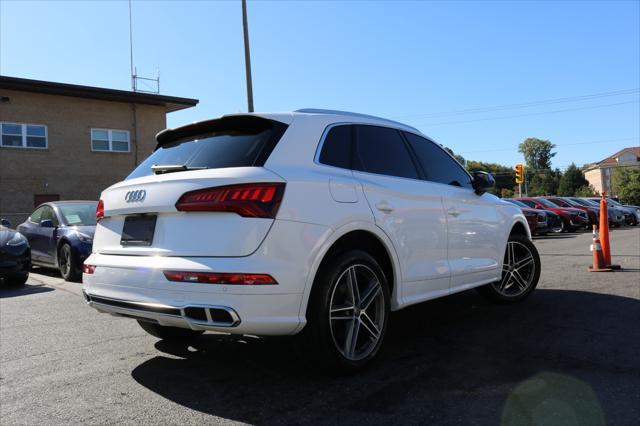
(382, 150)
(437, 165)
(336, 148)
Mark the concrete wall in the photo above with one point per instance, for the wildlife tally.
(68, 167)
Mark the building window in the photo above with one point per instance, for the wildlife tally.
(21, 135)
(109, 140)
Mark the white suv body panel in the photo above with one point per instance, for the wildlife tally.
(432, 251)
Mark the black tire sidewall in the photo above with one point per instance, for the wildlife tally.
(317, 334)
(74, 271)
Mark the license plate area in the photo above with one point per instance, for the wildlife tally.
(138, 230)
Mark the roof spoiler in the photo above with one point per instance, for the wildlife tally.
(249, 124)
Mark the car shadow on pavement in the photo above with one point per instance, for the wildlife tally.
(49, 272)
(554, 236)
(9, 291)
(560, 357)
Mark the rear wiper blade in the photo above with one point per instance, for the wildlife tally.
(169, 168)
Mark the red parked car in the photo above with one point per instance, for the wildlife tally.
(536, 219)
(592, 212)
(572, 218)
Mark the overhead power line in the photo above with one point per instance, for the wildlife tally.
(522, 104)
(561, 168)
(535, 113)
(558, 144)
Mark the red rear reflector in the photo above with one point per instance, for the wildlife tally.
(88, 269)
(247, 200)
(99, 210)
(220, 278)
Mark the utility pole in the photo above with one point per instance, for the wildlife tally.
(133, 74)
(247, 56)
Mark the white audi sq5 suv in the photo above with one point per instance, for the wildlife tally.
(317, 223)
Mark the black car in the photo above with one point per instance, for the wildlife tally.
(61, 235)
(15, 256)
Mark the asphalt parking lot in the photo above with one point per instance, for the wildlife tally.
(568, 355)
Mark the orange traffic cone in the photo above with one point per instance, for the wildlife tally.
(604, 229)
(596, 250)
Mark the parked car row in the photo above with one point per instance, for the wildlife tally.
(56, 235)
(569, 214)
(60, 234)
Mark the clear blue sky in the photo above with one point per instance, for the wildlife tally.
(401, 60)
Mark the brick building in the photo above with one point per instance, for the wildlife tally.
(599, 174)
(65, 141)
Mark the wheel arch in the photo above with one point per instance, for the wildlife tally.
(352, 236)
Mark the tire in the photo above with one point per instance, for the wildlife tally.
(174, 334)
(345, 330)
(561, 229)
(67, 263)
(16, 280)
(517, 282)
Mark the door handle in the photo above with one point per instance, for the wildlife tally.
(453, 212)
(384, 207)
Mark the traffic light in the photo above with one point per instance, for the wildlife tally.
(519, 173)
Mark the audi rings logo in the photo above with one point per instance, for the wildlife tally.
(136, 196)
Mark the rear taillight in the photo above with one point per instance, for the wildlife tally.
(247, 200)
(99, 210)
(88, 269)
(220, 278)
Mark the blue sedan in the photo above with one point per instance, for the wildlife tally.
(60, 234)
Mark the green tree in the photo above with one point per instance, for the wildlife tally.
(537, 153)
(543, 182)
(572, 179)
(625, 184)
(586, 191)
(503, 175)
(458, 157)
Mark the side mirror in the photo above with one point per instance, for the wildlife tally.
(46, 223)
(482, 181)
(5, 222)
(539, 207)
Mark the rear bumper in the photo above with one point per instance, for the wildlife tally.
(135, 286)
(261, 315)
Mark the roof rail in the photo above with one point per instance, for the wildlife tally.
(353, 114)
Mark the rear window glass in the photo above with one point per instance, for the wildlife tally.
(227, 147)
(336, 149)
(381, 150)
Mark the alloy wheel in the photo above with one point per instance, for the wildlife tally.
(357, 312)
(518, 270)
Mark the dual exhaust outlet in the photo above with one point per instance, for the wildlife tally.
(214, 316)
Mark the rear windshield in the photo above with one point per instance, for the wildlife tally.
(226, 146)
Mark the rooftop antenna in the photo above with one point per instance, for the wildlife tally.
(149, 85)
